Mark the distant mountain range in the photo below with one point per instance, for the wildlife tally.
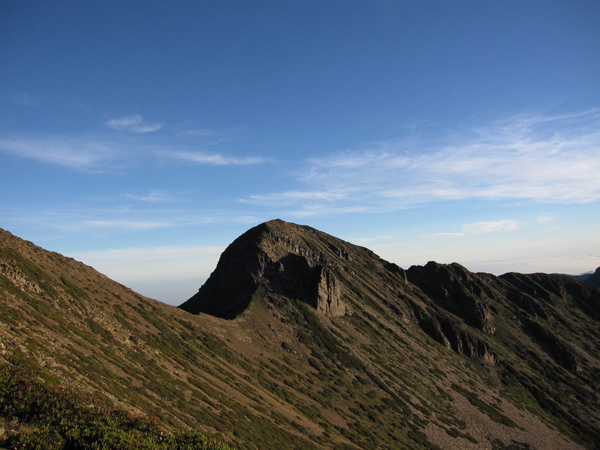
(301, 340)
(592, 278)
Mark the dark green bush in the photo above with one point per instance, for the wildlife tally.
(40, 414)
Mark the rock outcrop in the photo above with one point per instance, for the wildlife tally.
(329, 296)
(11, 271)
(281, 258)
(458, 291)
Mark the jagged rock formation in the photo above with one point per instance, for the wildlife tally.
(318, 343)
(276, 257)
(458, 291)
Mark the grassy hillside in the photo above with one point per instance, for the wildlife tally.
(41, 413)
(398, 369)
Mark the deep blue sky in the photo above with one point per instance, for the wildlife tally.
(142, 137)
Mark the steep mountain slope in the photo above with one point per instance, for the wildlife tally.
(594, 278)
(148, 357)
(529, 342)
(313, 342)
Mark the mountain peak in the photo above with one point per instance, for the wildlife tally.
(296, 261)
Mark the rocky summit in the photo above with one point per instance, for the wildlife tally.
(288, 260)
(301, 340)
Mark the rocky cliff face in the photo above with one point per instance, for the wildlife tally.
(535, 304)
(458, 291)
(277, 257)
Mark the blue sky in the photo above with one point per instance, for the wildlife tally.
(142, 137)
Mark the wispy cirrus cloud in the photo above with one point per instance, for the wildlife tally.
(134, 123)
(545, 218)
(494, 226)
(553, 159)
(213, 159)
(202, 132)
(122, 224)
(103, 151)
(115, 218)
(155, 196)
(285, 197)
(77, 152)
(476, 228)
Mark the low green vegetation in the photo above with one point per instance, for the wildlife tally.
(37, 412)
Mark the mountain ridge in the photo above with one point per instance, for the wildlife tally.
(433, 296)
(324, 345)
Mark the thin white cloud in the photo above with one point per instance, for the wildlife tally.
(552, 159)
(122, 224)
(155, 196)
(76, 152)
(372, 240)
(134, 123)
(545, 218)
(495, 226)
(100, 151)
(487, 227)
(214, 159)
(203, 132)
(124, 122)
(147, 128)
(295, 195)
(314, 210)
